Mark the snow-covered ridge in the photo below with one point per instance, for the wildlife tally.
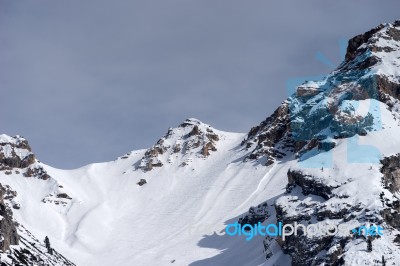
(12, 140)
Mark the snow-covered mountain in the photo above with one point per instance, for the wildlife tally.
(329, 155)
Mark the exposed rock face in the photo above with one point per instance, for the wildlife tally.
(391, 181)
(191, 138)
(8, 230)
(368, 42)
(310, 209)
(209, 146)
(391, 173)
(304, 250)
(36, 171)
(309, 184)
(58, 199)
(255, 215)
(15, 153)
(265, 137)
(387, 88)
(353, 48)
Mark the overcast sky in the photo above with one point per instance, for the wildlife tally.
(87, 81)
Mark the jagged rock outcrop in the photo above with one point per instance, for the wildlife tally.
(8, 230)
(391, 181)
(391, 173)
(354, 48)
(309, 184)
(15, 152)
(16, 155)
(36, 171)
(255, 215)
(62, 200)
(263, 139)
(191, 138)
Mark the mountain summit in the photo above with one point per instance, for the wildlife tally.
(191, 138)
(343, 104)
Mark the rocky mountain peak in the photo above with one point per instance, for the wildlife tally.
(15, 152)
(377, 39)
(16, 156)
(191, 122)
(345, 103)
(180, 144)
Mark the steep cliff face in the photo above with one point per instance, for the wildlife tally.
(8, 230)
(391, 198)
(391, 173)
(272, 138)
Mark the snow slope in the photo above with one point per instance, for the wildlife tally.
(111, 220)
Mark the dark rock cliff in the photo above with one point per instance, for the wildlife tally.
(8, 230)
